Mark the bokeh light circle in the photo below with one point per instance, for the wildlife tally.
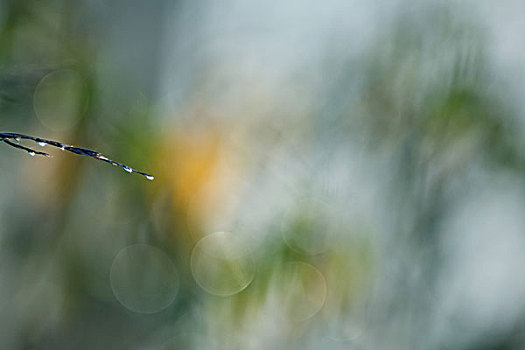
(144, 279)
(302, 289)
(222, 264)
(310, 225)
(59, 99)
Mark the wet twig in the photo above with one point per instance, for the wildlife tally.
(7, 137)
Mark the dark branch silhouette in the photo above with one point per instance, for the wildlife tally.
(6, 138)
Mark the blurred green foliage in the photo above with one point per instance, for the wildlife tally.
(325, 229)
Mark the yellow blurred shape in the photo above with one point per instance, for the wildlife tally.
(202, 173)
(189, 160)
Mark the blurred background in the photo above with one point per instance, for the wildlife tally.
(336, 174)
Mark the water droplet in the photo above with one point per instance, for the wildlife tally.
(41, 143)
(150, 177)
(31, 153)
(128, 169)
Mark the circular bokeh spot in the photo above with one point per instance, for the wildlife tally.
(310, 225)
(221, 264)
(144, 279)
(59, 99)
(302, 290)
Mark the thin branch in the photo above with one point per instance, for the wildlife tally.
(6, 136)
(30, 151)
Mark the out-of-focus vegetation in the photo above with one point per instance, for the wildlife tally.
(336, 175)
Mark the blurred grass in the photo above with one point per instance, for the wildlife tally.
(336, 263)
